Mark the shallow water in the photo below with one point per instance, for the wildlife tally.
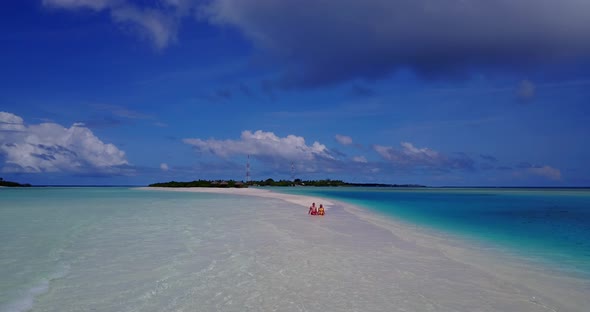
(117, 249)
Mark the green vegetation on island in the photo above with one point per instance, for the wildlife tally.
(271, 182)
(12, 184)
(201, 183)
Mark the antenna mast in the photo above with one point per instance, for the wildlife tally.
(248, 170)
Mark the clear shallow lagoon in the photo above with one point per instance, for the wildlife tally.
(543, 224)
(126, 243)
(120, 249)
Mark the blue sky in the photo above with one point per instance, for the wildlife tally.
(461, 93)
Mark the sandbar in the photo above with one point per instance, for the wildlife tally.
(300, 200)
(385, 262)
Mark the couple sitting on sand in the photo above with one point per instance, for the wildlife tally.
(316, 211)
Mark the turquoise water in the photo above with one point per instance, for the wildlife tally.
(121, 249)
(549, 225)
(72, 249)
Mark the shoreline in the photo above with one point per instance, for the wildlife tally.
(488, 270)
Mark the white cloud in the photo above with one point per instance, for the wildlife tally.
(264, 145)
(164, 166)
(273, 154)
(159, 23)
(546, 172)
(11, 122)
(343, 139)
(410, 156)
(360, 159)
(49, 147)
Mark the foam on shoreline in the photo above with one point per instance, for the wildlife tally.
(446, 273)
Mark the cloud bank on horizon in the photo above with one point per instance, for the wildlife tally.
(49, 147)
(328, 42)
(268, 147)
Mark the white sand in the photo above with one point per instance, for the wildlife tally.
(304, 201)
(364, 262)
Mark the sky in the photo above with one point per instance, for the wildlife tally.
(437, 93)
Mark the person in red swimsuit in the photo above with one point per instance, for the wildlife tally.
(313, 210)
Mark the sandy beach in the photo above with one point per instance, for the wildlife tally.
(304, 201)
(386, 263)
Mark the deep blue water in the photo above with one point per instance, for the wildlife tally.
(550, 225)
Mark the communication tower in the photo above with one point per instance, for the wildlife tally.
(248, 170)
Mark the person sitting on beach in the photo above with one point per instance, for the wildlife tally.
(321, 210)
(312, 209)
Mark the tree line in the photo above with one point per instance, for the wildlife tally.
(12, 184)
(272, 182)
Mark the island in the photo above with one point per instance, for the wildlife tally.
(12, 184)
(272, 182)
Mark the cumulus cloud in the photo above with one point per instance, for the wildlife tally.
(164, 166)
(273, 153)
(159, 24)
(411, 157)
(49, 147)
(264, 145)
(343, 139)
(11, 122)
(332, 41)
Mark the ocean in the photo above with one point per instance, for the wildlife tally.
(124, 249)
